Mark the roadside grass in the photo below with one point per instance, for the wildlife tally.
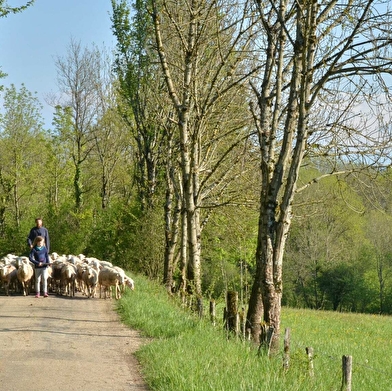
(186, 353)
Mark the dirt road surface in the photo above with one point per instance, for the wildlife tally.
(68, 344)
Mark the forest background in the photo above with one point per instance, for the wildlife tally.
(107, 176)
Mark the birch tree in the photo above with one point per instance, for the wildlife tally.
(324, 91)
(60, 166)
(202, 48)
(110, 133)
(146, 111)
(77, 75)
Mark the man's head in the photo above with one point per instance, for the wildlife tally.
(38, 221)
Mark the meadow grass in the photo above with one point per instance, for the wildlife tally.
(186, 353)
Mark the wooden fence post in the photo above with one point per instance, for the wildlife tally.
(347, 365)
(232, 312)
(309, 352)
(286, 353)
(200, 309)
(213, 312)
(243, 323)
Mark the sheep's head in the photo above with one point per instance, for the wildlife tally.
(130, 284)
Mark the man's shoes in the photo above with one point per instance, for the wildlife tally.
(37, 296)
(46, 295)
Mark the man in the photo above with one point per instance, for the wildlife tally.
(38, 230)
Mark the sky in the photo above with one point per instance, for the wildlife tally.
(30, 41)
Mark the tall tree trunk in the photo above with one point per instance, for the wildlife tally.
(187, 144)
(184, 253)
(255, 309)
(104, 190)
(172, 217)
(16, 203)
(78, 188)
(279, 172)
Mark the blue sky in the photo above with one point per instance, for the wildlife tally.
(30, 41)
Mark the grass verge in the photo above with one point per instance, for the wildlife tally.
(186, 353)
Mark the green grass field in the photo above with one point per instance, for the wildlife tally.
(186, 353)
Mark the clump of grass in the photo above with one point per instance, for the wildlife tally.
(187, 353)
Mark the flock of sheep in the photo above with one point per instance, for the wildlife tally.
(67, 274)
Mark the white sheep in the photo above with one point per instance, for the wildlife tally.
(107, 278)
(24, 274)
(90, 279)
(55, 280)
(80, 268)
(68, 278)
(94, 263)
(74, 259)
(8, 276)
(105, 263)
(127, 280)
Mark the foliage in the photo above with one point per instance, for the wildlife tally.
(142, 105)
(70, 232)
(338, 285)
(5, 9)
(228, 256)
(23, 157)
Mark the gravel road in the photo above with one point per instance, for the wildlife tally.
(68, 344)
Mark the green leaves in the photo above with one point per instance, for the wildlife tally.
(5, 9)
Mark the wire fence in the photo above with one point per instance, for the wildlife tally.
(235, 322)
(386, 375)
